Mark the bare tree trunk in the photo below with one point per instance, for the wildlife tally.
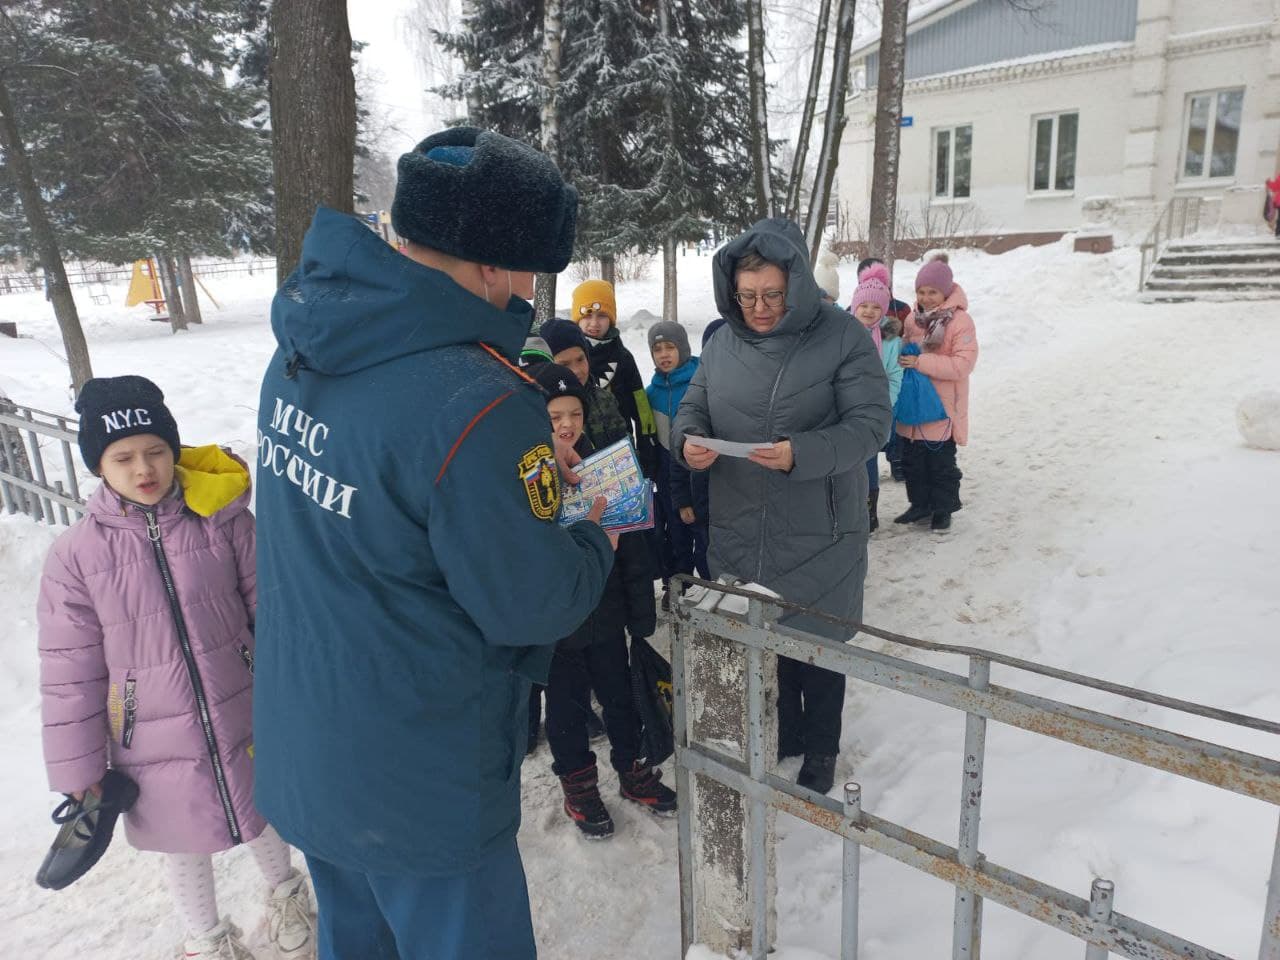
(544, 298)
(796, 185)
(832, 131)
(313, 118)
(761, 165)
(172, 296)
(190, 299)
(670, 280)
(46, 242)
(609, 271)
(670, 277)
(884, 171)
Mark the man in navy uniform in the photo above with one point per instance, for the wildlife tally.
(412, 577)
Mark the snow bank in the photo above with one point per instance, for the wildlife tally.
(1258, 418)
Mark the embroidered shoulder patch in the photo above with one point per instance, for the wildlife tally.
(541, 478)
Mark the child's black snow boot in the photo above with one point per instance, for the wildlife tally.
(583, 804)
(643, 785)
(940, 523)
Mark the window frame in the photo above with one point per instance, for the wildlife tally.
(949, 196)
(1051, 190)
(1211, 129)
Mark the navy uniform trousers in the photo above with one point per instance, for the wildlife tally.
(480, 914)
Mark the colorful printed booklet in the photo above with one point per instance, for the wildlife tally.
(613, 473)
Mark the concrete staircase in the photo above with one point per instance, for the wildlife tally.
(1190, 269)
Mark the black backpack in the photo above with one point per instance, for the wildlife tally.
(651, 688)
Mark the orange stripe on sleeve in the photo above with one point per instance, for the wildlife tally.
(466, 430)
(507, 363)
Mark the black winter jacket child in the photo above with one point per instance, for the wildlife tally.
(614, 368)
(627, 603)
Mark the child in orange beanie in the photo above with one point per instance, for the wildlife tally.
(595, 311)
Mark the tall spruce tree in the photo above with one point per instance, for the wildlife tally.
(141, 143)
(653, 127)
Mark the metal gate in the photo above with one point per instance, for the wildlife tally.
(26, 486)
(758, 636)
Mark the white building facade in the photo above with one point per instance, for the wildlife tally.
(1086, 113)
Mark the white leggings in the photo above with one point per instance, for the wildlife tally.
(191, 879)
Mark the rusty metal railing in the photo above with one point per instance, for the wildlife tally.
(1179, 218)
(975, 879)
(26, 486)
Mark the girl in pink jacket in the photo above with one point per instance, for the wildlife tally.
(941, 325)
(146, 616)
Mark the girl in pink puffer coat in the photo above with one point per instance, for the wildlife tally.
(146, 658)
(941, 325)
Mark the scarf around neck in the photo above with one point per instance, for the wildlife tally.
(935, 325)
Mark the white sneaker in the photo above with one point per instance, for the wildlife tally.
(221, 943)
(291, 926)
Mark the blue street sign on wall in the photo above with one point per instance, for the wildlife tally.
(908, 122)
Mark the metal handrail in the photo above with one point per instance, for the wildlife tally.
(1172, 224)
(25, 486)
(1133, 693)
(962, 866)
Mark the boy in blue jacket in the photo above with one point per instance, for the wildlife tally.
(681, 520)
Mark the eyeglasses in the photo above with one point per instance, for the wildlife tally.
(772, 298)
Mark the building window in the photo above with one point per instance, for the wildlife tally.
(1212, 135)
(952, 161)
(1053, 162)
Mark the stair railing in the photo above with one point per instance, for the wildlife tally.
(1179, 218)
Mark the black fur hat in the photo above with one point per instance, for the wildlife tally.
(483, 197)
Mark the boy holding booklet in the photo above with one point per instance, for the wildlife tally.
(594, 657)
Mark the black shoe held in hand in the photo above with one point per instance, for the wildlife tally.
(86, 831)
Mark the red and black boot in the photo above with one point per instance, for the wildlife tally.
(583, 804)
(643, 785)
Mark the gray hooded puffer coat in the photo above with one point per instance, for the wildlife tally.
(815, 379)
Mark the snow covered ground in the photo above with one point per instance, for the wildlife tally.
(1115, 524)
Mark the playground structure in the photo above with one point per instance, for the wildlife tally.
(104, 275)
(144, 287)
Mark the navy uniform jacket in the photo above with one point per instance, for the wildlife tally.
(412, 577)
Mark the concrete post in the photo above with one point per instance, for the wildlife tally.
(733, 838)
(1146, 103)
(1269, 141)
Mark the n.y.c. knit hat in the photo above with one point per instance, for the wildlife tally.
(668, 331)
(112, 408)
(485, 198)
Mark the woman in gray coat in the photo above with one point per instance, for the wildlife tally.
(802, 374)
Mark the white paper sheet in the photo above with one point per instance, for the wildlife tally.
(728, 448)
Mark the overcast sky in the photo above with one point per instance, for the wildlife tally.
(397, 93)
